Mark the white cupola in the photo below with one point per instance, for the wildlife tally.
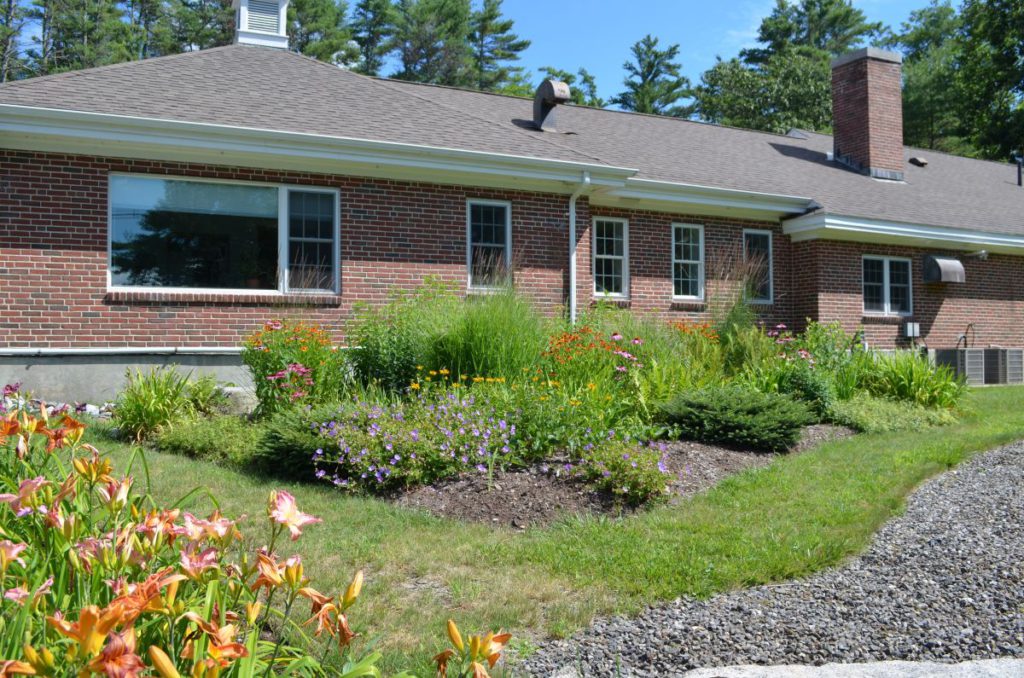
(261, 22)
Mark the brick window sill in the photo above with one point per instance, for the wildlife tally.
(239, 299)
(694, 305)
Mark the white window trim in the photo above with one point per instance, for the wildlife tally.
(771, 262)
(470, 202)
(886, 289)
(700, 263)
(625, 258)
(282, 240)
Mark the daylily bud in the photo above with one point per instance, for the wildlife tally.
(162, 663)
(455, 636)
(252, 612)
(352, 592)
(293, 572)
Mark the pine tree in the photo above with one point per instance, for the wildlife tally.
(147, 29)
(432, 42)
(653, 83)
(318, 28)
(373, 24)
(831, 26)
(13, 20)
(494, 44)
(198, 24)
(75, 34)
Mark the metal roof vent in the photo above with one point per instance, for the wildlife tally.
(261, 22)
(549, 95)
(919, 161)
(940, 269)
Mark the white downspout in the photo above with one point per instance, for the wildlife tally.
(583, 186)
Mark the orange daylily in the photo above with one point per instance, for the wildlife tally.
(91, 629)
(283, 510)
(222, 647)
(11, 667)
(271, 573)
(117, 659)
(146, 596)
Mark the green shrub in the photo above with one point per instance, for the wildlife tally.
(497, 335)
(738, 416)
(392, 340)
(635, 474)
(810, 385)
(869, 414)
(910, 376)
(294, 363)
(206, 396)
(151, 401)
(224, 439)
(290, 439)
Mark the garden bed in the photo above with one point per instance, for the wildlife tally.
(543, 493)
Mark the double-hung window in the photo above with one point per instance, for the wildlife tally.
(215, 236)
(610, 260)
(886, 285)
(488, 242)
(687, 261)
(757, 254)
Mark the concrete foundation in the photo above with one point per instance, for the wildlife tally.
(98, 378)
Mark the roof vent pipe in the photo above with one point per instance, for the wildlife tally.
(549, 95)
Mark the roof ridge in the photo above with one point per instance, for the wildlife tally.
(387, 82)
(618, 111)
(49, 77)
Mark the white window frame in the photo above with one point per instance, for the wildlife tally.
(886, 288)
(625, 258)
(771, 263)
(470, 202)
(283, 259)
(700, 262)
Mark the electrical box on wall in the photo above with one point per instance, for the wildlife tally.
(912, 330)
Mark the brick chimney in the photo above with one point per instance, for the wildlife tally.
(867, 112)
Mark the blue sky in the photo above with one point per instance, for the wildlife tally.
(597, 34)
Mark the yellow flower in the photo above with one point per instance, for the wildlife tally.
(432, 373)
(477, 380)
(444, 372)
(419, 367)
(463, 377)
(591, 386)
(414, 386)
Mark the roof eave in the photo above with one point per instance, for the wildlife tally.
(665, 196)
(64, 131)
(825, 226)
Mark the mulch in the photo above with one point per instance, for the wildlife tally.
(544, 493)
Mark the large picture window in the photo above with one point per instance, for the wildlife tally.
(488, 242)
(757, 253)
(610, 247)
(687, 261)
(886, 285)
(216, 236)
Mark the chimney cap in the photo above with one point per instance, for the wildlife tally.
(868, 53)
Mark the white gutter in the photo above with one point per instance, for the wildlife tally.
(583, 186)
(824, 226)
(651, 190)
(30, 128)
(122, 350)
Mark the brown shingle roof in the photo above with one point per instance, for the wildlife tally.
(273, 89)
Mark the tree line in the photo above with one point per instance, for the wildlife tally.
(963, 66)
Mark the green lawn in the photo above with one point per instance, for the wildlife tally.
(796, 516)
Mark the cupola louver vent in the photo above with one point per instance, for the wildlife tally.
(263, 16)
(261, 22)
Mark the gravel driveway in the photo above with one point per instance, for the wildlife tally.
(943, 582)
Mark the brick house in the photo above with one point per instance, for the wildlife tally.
(161, 210)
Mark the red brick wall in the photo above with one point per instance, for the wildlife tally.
(53, 263)
(867, 113)
(992, 297)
